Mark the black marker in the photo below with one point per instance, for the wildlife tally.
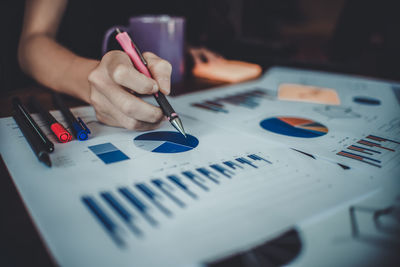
(77, 126)
(38, 141)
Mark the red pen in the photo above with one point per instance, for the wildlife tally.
(141, 65)
(60, 132)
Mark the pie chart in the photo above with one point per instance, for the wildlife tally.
(165, 142)
(293, 126)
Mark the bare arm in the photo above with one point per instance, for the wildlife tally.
(44, 59)
(102, 83)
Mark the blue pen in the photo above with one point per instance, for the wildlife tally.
(77, 126)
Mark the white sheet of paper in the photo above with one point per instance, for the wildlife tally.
(347, 124)
(186, 220)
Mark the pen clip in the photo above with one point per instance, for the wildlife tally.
(83, 125)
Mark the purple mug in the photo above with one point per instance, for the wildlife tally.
(161, 34)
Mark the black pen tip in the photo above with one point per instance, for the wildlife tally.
(45, 158)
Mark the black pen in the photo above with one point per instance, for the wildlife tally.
(57, 128)
(77, 126)
(39, 143)
(141, 65)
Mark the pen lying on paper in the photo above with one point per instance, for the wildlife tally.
(141, 65)
(38, 141)
(59, 131)
(77, 126)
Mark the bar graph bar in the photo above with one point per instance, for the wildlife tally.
(256, 157)
(363, 150)
(212, 176)
(245, 161)
(227, 173)
(176, 180)
(232, 165)
(108, 153)
(126, 216)
(360, 158)
(381, 139)
(373, 144)
(154, 198)
(195, 179)
(139, 205)
(104, 219)
(167, 190)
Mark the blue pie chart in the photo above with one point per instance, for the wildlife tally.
(165, 142)
(294, 126)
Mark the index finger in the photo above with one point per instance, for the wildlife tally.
(160, 70)
(131, 105)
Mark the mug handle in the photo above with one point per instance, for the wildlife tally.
(107, 36)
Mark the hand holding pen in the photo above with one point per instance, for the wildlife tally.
(110, 83)
(142, 66)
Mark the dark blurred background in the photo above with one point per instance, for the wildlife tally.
(349, 36)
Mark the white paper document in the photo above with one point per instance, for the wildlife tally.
(123, 197)
(126, 198)
(362, 132)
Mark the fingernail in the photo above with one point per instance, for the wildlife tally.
(165, 84)
(155, 88)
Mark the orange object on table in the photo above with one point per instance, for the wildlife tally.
(307, 93)
(223, 70)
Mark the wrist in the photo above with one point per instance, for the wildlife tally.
(78, 84)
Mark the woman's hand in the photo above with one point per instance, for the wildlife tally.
(113, 82)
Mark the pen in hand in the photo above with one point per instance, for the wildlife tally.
(141, 65)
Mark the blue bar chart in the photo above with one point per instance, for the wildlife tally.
(108, 153)
(250, 99)
(148, 200)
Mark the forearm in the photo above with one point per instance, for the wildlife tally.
(54, 66)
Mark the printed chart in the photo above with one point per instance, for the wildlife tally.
(165, 142)
(293, 126)
(372, 150)
(158, 190)
(248, 99)
(108, 153)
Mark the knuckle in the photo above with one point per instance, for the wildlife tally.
(128, 108)
(145, 85)
(119, 72)
(131, 124)
(155, 116)
(149, 55)
(94, 77)
(163, 65)
(111, 55)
